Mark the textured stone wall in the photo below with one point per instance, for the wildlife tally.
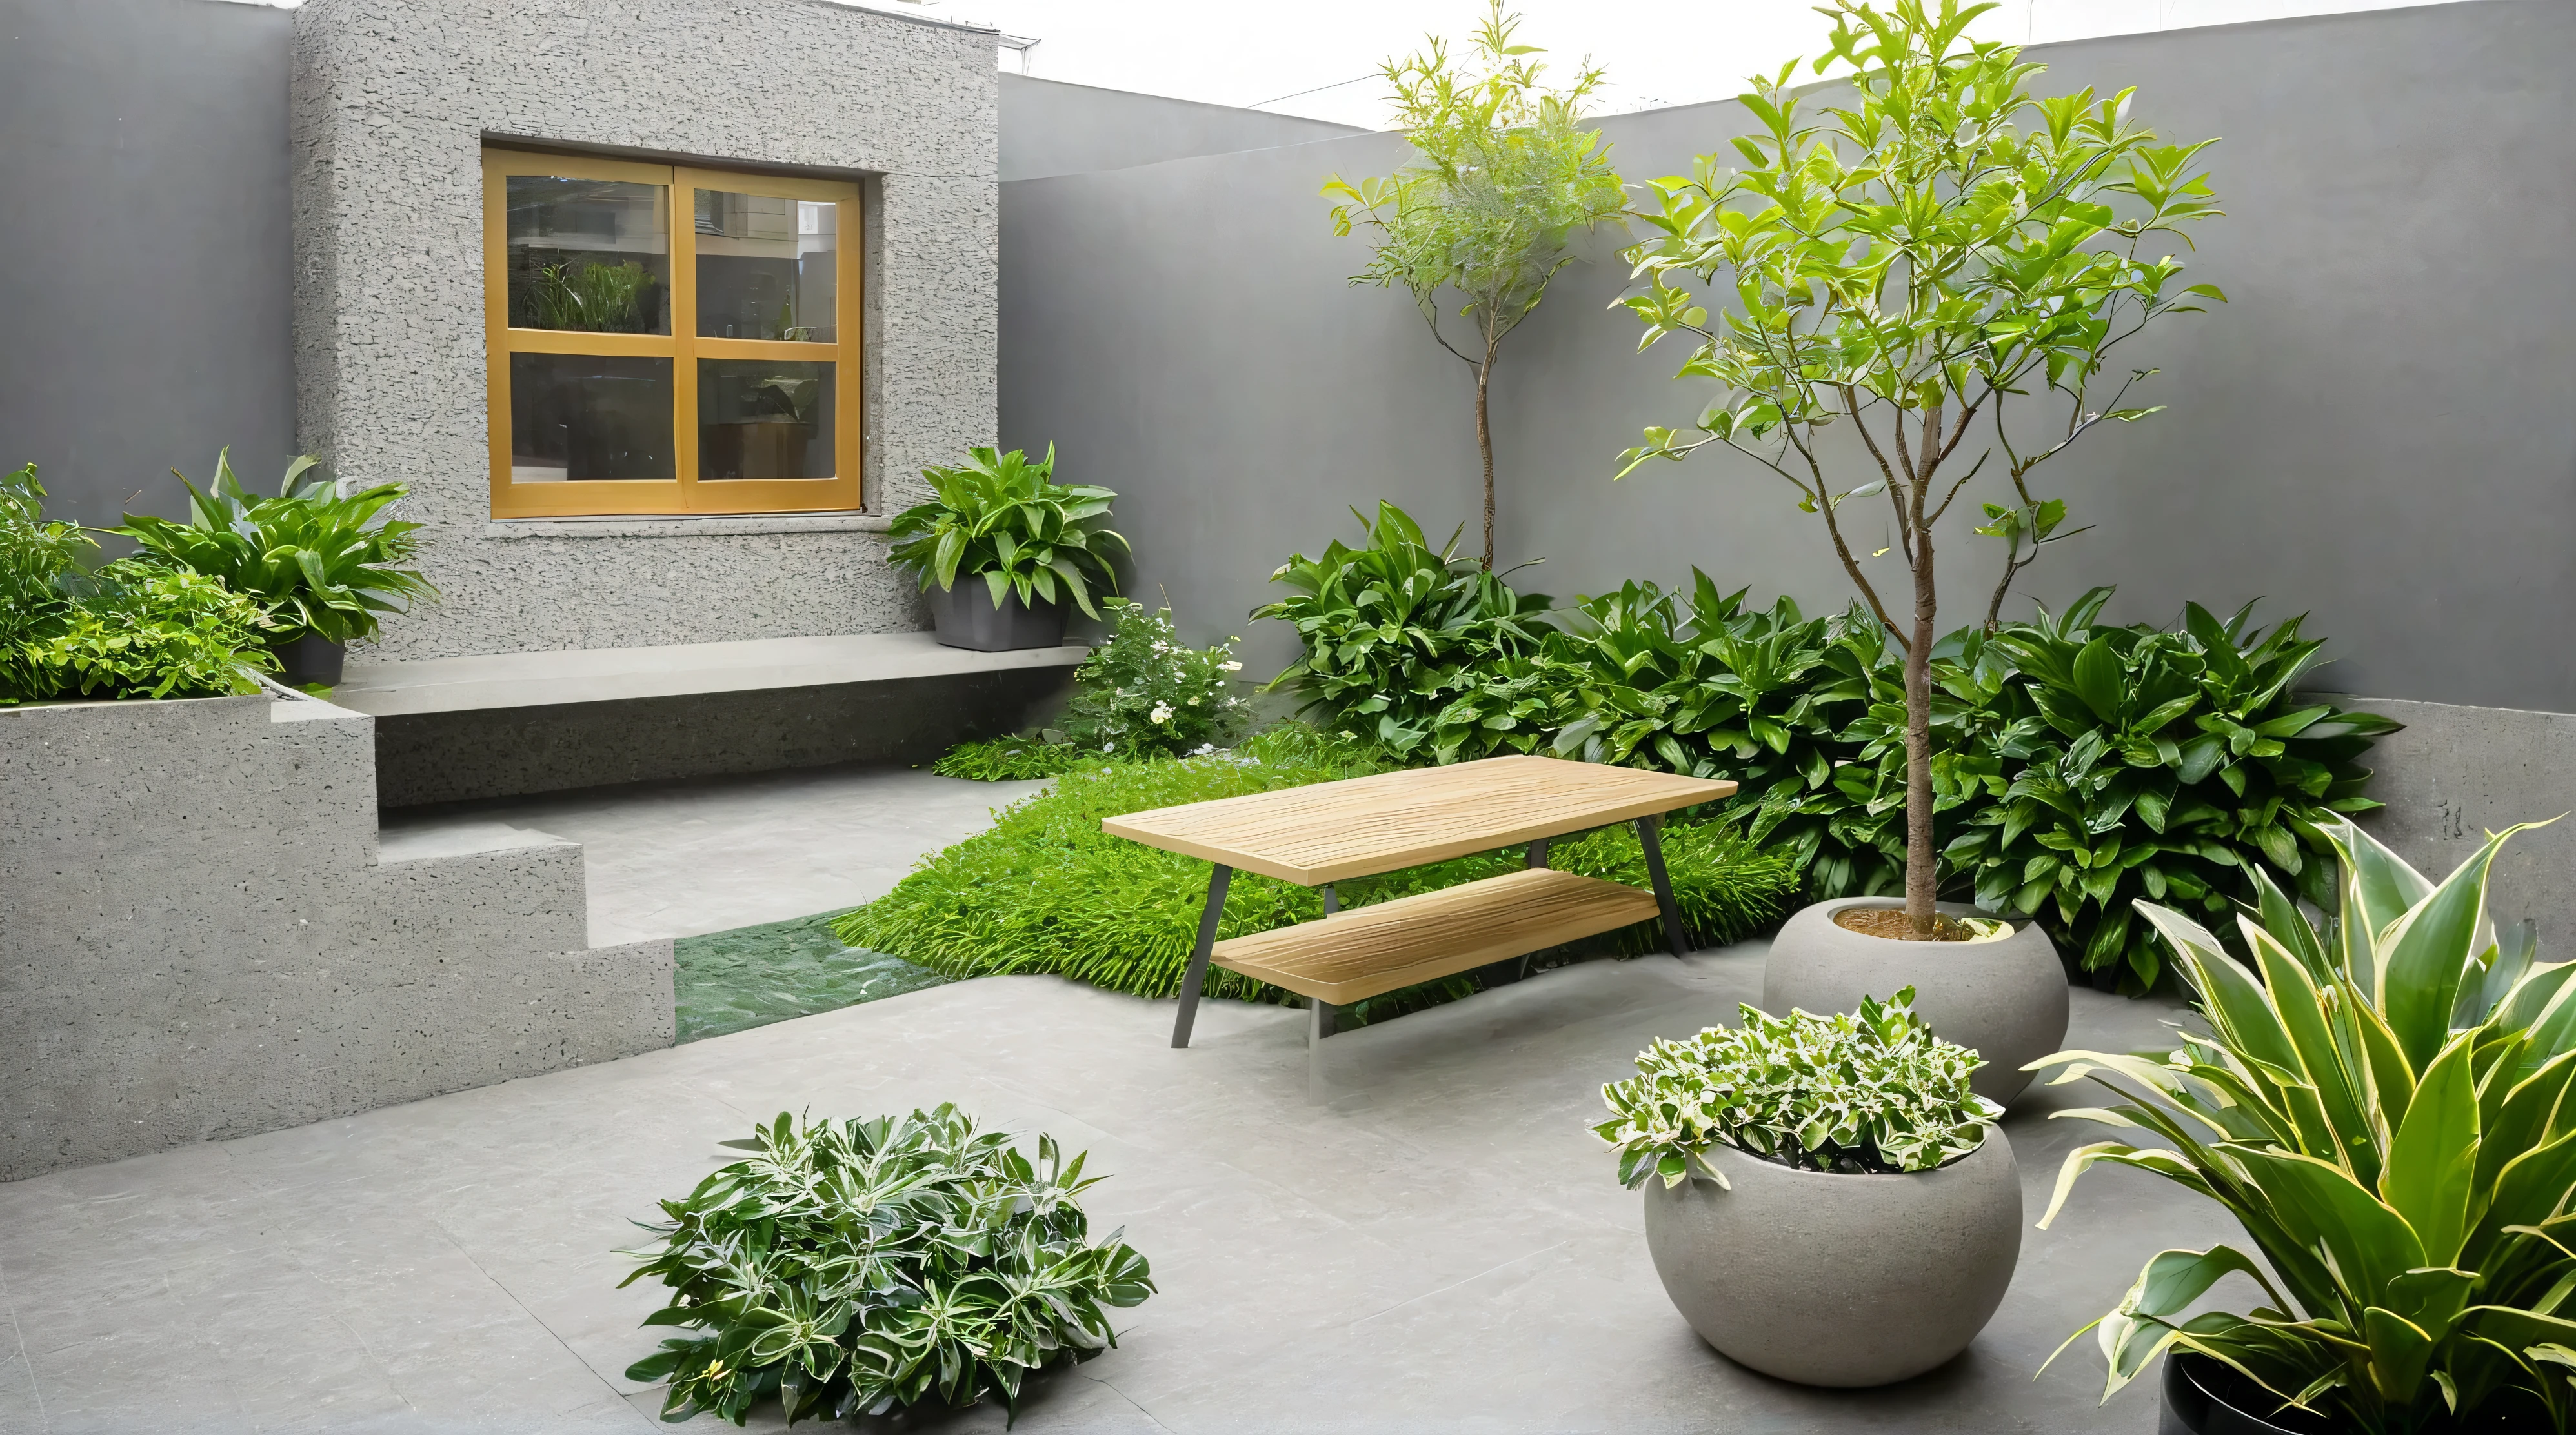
(392, 103)
(2458, 773)
(201, 938)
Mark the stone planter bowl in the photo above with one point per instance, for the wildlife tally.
(2005, 1000)
(1839, 1280)
(966, 618)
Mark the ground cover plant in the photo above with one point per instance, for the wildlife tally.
(1046, 891)
(1850, 1093)
(1477, 221)
(866, 1267)
(126, 629)
(2382, 1106)
(327, 565)
(1940, 250)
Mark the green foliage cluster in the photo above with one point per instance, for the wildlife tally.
(2383, 1107)
(326, 565)
(1141, 693)
(2075, 766)
(1027, 757)
(1001, 516)
(1045, 890)
(593, 297)
(1852, 1093)
(862, 1268)
(125, 630)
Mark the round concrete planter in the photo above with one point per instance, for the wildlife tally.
(966, 618)
(2005, 1000)
(1839, 1280)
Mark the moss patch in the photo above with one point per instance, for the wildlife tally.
(752, 976)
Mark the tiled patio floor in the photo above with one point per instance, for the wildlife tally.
(1441, 1248)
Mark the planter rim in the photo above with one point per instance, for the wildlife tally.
(1787, 1170)
(1953, 909)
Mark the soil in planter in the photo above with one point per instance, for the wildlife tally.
(1889, 922)
(752, 976)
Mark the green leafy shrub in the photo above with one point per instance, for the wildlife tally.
(1003, 518)
(127, 630)
(1046, 891)
(1396, 631)
(1145, 692)
(1849, 1093)
(863, 1268)
(2385, 1112)
(599, 298)
(2132, 763)
(1011, 759)
(327, 566)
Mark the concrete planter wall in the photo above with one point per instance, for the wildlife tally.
(201, 936)
(2005, 1000)
(1839, 1280)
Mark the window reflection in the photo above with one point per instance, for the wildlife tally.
(588, 254)
(767, 267)
(764, 418)
(576, 417)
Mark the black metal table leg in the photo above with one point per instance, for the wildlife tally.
(1196, 976)
(1538, 853)
(1650, 837)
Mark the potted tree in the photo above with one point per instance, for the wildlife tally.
(1033, 541)
(1826, 1199)
(1928, 283)
(2383, 1108)
(327, 565)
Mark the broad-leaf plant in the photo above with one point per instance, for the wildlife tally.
(327, 564)
(1003, 518)
(2383, 1106)
(1926, 280)
(1503, 175)
(863, 1267)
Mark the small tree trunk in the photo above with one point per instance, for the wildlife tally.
(1922, 875)
(1485, 450)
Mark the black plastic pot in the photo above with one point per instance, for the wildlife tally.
(308, 660)
(966, 618)
(2203, 1397)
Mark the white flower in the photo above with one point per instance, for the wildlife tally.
(1194, 702)
(1162, 713)
(1231, 667)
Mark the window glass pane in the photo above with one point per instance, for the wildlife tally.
(766, 267)
(586, 416)
(764, 418)
(589, 254)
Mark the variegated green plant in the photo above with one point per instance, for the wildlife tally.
(1850, 1093)
(2385, 1112)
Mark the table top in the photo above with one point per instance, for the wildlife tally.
(1334, 831)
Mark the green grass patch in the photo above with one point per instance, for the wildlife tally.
(1007, 759)
(752, 976)
(1046, 891)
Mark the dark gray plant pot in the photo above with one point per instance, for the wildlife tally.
(2194, 1404)
(966, 618)
(308, 660)
(2004, 1000)
(1839, 1280)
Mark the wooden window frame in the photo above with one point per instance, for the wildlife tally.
(683, 346)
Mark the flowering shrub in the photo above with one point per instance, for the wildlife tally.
(1145, 692)
(1851, 1093)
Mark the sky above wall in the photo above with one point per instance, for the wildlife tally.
(1319, 57)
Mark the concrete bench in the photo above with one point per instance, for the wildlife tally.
(502, 724)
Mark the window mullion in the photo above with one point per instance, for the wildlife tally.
(680, 205)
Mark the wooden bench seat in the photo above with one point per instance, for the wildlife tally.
(1376, 949)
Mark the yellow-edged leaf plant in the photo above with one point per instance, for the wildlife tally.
(1503, 175)
(1920, 285)
(2382, 1104)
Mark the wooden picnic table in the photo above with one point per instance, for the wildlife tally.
(1331, 832)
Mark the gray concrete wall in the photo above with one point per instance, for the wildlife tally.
(392, 103)
(201, 937)
(1050, 127)
(2377, 430)
(145, 283)
(2459, 773)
